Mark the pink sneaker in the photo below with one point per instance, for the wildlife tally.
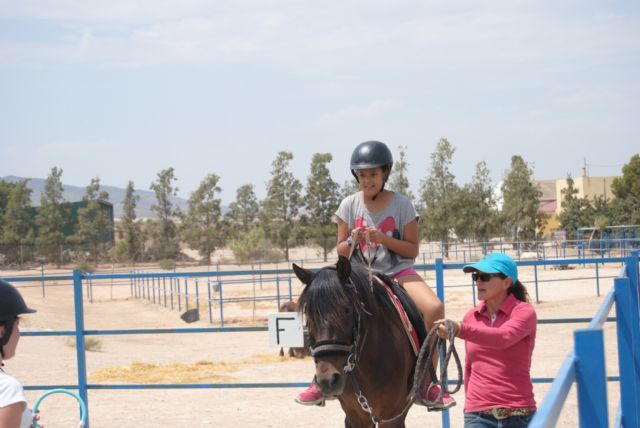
(312, 396)
(429, 397)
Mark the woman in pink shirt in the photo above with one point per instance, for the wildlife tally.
(499, 335)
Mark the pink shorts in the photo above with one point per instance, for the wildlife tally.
(405, 272)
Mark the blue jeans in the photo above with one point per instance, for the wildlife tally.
(481, 420)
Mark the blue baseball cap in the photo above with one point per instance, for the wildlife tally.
(495, 263)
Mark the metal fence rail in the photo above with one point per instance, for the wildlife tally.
(585, 365)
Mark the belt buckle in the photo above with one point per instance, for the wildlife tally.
(500, 413)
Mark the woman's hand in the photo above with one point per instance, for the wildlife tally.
(443, 331)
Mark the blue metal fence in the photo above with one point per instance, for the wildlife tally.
(80, 279)
(175, 291)
(585, 365)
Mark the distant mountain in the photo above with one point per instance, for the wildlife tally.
(116, 196)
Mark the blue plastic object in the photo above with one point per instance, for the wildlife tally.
(83, 407)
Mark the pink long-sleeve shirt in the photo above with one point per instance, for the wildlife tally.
(498, 356)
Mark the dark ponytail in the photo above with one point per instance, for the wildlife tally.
(519, 292)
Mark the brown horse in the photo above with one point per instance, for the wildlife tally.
(295, 352)
(361, 351)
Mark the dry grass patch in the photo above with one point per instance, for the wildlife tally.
(178, 373)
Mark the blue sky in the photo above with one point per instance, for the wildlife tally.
(123, 89)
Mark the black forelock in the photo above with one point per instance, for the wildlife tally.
(324, 300)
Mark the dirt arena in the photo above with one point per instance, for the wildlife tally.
(52, 360)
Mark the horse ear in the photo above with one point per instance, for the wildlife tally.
(304, 275)
(343, 267)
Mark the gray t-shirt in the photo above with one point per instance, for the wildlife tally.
(390, 221)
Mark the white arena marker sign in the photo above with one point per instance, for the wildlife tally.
(285, 329)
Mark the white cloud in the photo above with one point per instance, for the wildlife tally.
(330, 35)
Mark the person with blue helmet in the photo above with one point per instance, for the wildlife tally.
(14, 412)
(499, 335)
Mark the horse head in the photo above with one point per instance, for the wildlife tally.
(333, 303)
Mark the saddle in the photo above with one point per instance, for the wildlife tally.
(407, 310)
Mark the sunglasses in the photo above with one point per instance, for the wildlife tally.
(485, 277)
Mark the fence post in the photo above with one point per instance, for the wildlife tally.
(80, 351)
(42, 275)
(440, 279)
(278, 289)
(164, 291)
(197, 297)
(629, 375)
(186, 295)
(178, 296)
(171, 290)
(221, 303)
(591, 378)
(632, 274)
(209, 300)
(440, 293)
(597, 280)
(535, 279)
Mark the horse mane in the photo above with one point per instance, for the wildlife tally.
(324, 300)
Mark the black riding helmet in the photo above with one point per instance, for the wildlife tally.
(371, 154)
(11, 305)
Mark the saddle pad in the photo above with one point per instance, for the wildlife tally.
(409, 329)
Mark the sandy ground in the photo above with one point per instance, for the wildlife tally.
(51, 360)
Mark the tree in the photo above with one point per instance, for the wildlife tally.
(629, 184)
(438, 194)
(253, 246)
(243, 212)
(130, 230)
(19, 227)
(322, 199)
(202, 225)
(399, 182)
(576, 212)
(6, 188)
(283, 201)
(95, 226)
(476, 211)
(163, 230)
(52, 218)
(625, 208)
(521, 201)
